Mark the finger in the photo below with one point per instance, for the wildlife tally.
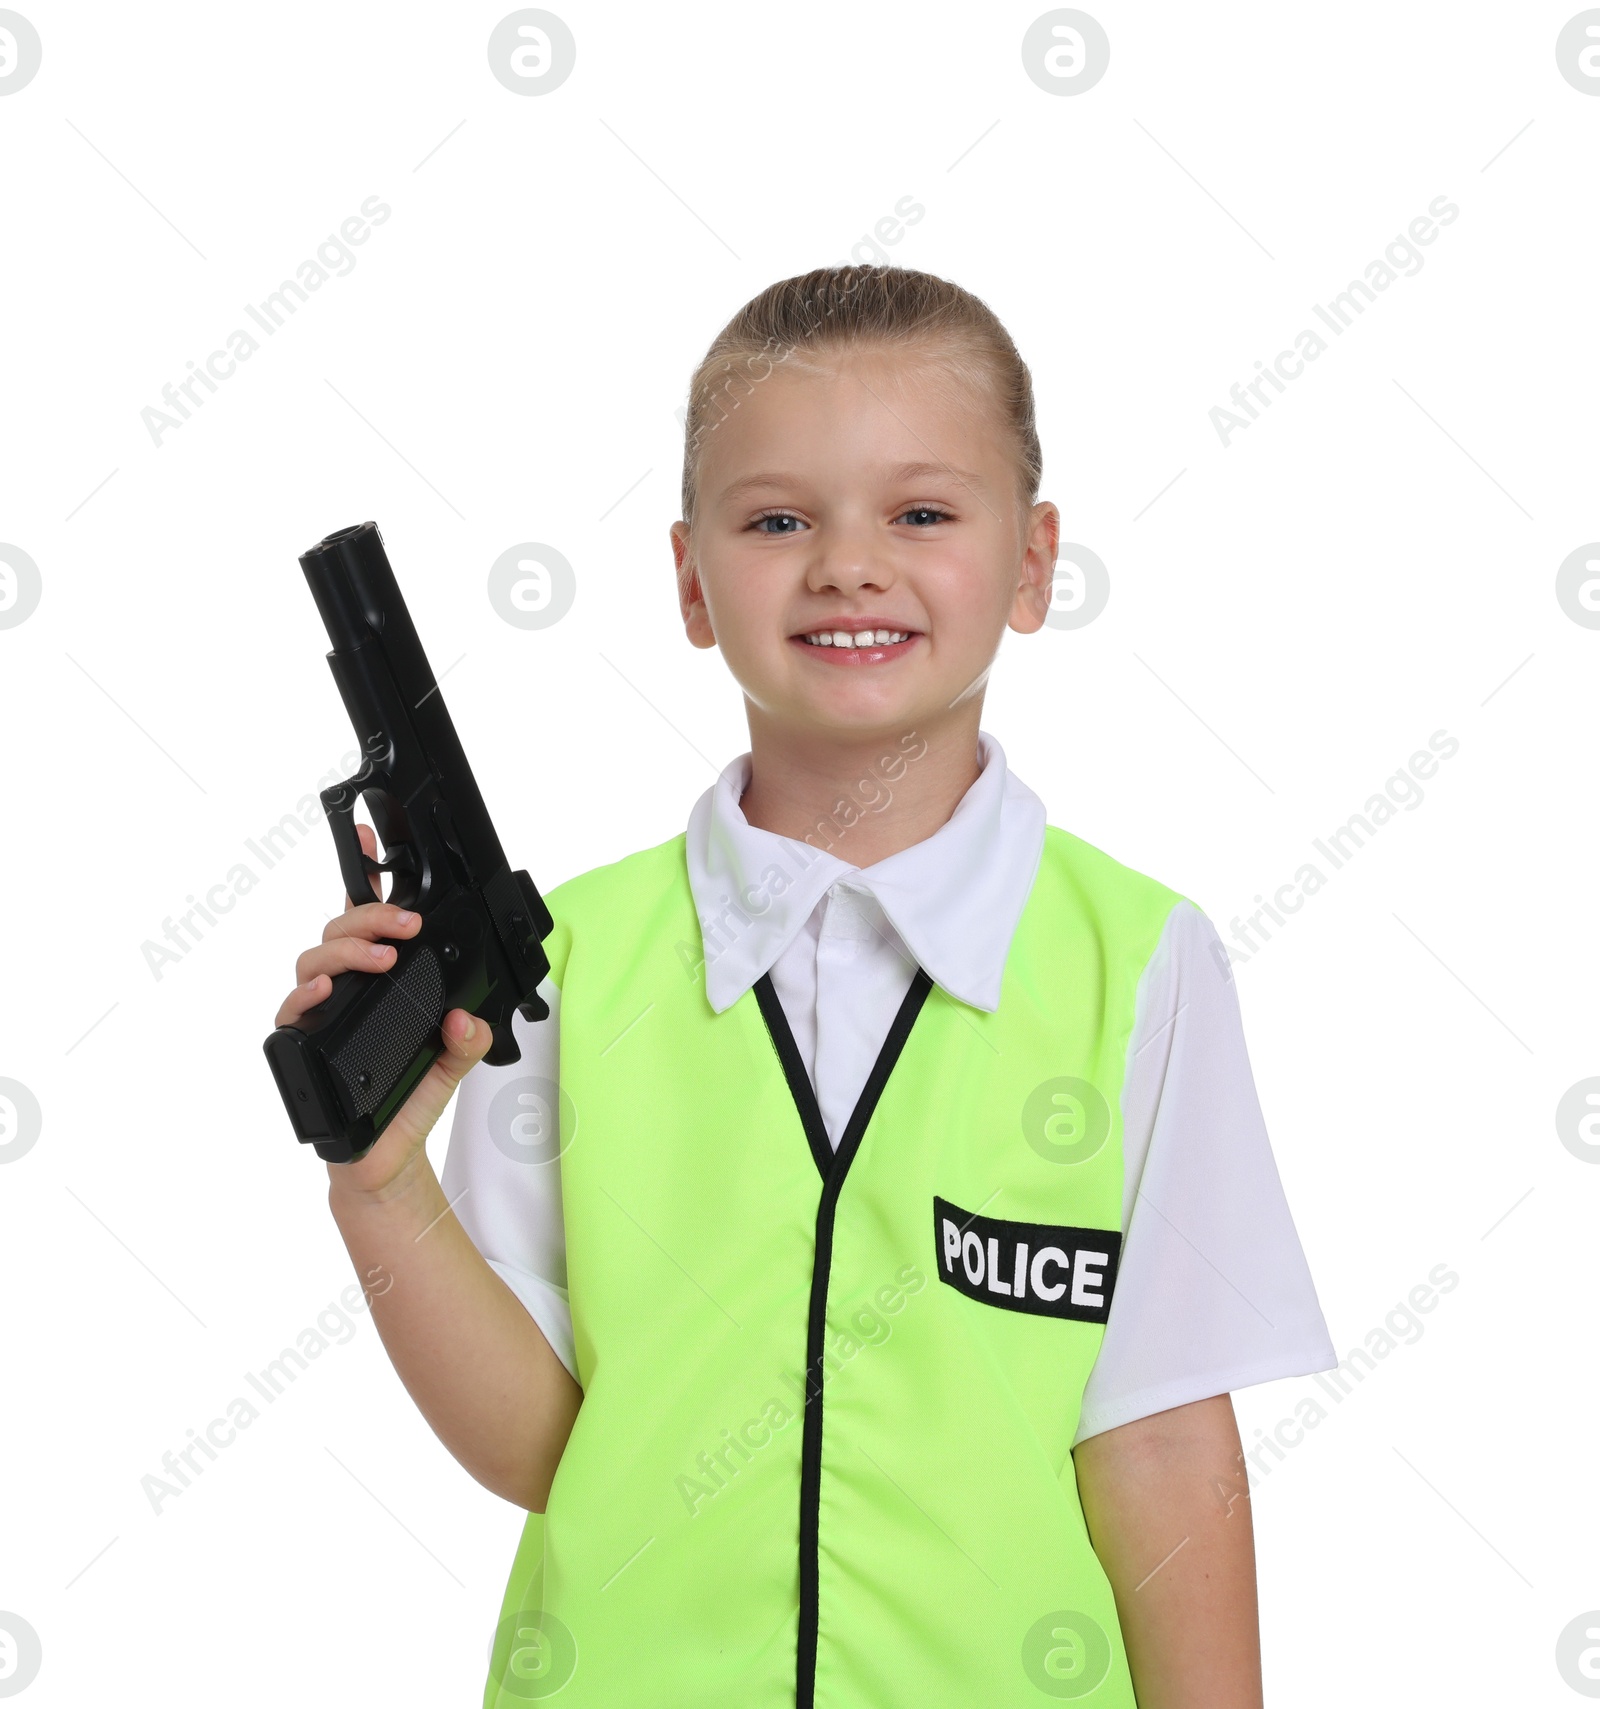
(368, 838)
(305, 995)
(372, 920)
(465, 1042)
(341, 955)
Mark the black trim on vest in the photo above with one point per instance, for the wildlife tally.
(794, 1071)
(833, 1167)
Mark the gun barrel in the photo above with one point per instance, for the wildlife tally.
(360, 602)
(330, 570)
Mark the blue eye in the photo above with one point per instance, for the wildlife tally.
(929, 512)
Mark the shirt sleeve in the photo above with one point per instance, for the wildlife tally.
(502, 1172)
(1213, 1291)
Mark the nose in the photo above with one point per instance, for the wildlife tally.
(848, 557)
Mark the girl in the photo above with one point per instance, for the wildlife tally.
(851, 1277)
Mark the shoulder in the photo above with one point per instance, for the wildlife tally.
(633, 877)
(1099, 912)
(619, 903)
(1119, 896)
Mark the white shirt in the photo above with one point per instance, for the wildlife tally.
(1213, 1290)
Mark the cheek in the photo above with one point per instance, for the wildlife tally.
(969, 601)
(745, 600)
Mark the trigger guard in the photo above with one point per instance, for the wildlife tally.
(356, 866)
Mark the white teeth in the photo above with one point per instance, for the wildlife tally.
(861, 638)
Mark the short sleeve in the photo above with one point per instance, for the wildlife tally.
(502, 1173)
(1213, 1291)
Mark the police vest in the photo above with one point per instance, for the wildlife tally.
(823, 1459)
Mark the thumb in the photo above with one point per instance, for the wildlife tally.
(465, 1042)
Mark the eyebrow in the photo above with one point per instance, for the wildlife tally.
(901, 472)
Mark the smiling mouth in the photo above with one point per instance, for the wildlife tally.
(853, 637)
(866, 645)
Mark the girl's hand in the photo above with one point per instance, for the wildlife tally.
(353, 940)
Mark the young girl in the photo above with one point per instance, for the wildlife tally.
(853, 1294)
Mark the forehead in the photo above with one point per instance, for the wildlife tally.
(865, 414)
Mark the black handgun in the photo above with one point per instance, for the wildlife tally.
(349, 1064)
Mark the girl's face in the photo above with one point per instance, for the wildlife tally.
(878, 495)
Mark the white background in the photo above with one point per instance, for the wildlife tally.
(1375, 559)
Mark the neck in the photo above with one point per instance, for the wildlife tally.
(860, 798)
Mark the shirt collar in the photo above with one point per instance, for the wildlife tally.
(954, 898)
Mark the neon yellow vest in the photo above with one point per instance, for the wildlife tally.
(824, 1452)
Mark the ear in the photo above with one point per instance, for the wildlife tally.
(691, 596)
(1031, 603)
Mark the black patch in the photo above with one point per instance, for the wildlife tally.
(1036, 1267)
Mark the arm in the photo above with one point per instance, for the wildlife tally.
(1167, 1504)
(477, 1365)
(470, 1356)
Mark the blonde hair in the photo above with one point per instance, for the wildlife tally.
(837, 309)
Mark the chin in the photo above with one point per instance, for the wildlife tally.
(862, 715)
